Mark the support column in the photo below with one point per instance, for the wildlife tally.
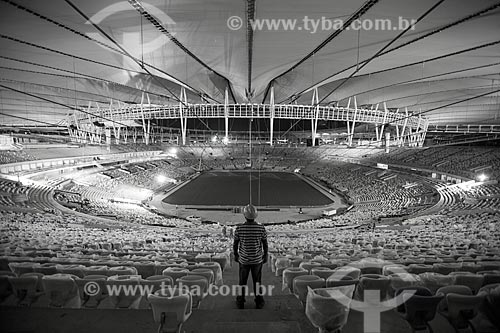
(116, 129)
(403, 131)
(125, 135)
(271, 119)
(384, 120)
(397, 128)
(351, 132)
(314, 120)
(411, 137)
(424, 133)
(77, 131)
(417, 134)
(91, 129)
(347, 119)
(183, 119)
(96, 132)
(146, 126)
(226, 115)
(107, 135)
(387, 141)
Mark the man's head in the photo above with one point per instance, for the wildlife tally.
(250, 212)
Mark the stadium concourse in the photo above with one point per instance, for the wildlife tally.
(134, 133)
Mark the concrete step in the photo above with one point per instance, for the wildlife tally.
(282, 313)
(261, 327)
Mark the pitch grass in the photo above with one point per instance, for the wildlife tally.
(219, 188)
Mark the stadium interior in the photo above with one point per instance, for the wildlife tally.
(133, 133)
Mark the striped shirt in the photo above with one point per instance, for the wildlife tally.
(250, 237)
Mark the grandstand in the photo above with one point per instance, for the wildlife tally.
(133, 133)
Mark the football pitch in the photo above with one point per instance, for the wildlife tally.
(232, 188)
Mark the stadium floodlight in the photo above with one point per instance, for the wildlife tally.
(225, 140)
(482, 177)
(161, 179)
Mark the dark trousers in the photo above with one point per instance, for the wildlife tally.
(256, 270)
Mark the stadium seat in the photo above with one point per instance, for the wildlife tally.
(302, 283)
(5, 287)
(197, 285)
(222, 259)
(328, 308)
(76, 270)
(462, 309)
(489, 265)
(171, 308)
(371, 270)
(122, 270)
(24, 289)
(39, 286)
(157, 282)
(124, 295)
(7, 273)
(419, 268)
(46, 268)
(89, 298)
(434, 281)
(446, 268)
(206, 272)
(333, 281)
(372, 282)
(191, 265)
(281, 264)
(473, 281)
(168, 280)
(329, 264)
(145, 268)
(62, 290)
(490, 278)
(340, 272)
(202, 257)
(289, 274)
(309, 265)
(19, 268)
(322, 272)
(418, 308)
(216, 269)
(394, 269)
(296, 261)
(160, 267)
(175, 272)
(402, 280)
(455, 289)
(470, 267)
(95, 270)
(491, 304)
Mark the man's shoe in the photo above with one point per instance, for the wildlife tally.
(240, 303)
(259, 304)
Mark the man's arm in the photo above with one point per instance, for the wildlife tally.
(264, 246)
(236, 244)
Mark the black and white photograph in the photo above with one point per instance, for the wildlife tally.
(242, 166)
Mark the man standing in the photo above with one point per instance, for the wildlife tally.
(250, 251)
